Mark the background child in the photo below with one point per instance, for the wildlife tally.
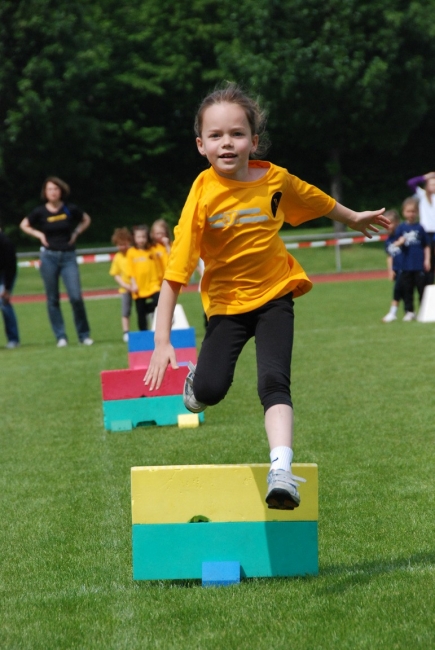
(145, 267)
(394, 265)
(231, 220)
(414, 242)
(122, 239)
(161, 234)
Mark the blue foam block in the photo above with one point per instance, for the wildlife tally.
(143, 341)
(220, 574)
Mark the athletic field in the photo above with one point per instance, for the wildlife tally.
(363, 395)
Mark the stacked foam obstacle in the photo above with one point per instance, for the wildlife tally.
(128, 403)
(193, 522)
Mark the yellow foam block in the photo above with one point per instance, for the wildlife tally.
(221, 493)
(188, 420)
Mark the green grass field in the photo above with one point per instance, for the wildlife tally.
(362, 392)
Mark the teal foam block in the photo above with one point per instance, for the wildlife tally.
(144, 411)
(141, 341)
(121, 425)
(263, 548)
(220, 574)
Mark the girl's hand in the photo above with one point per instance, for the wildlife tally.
(162, 357)
(367, 222)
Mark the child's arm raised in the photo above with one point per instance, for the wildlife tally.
(164, 353)
(361, 221)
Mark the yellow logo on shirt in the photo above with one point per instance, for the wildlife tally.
(57, 217)
(233, 217)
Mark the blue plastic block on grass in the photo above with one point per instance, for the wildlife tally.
(144, 411)
(142, 341)
(220, 574)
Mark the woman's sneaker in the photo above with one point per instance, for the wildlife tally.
(283, 490)
(189, 399)
(409, 316)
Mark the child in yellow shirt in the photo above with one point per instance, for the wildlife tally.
(231, 220)
(123, 240)
(145, 267)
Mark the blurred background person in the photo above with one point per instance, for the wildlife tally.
(123, 240)
(426, 209)
(8, 274)
(57, 225)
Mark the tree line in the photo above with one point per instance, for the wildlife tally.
(103, 94)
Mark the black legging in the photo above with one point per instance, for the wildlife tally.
(272, 325)
(412, 280)
(145, 306)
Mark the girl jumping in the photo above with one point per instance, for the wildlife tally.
(231, 220)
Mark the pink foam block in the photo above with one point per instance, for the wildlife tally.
(129, 384)
(138, 360)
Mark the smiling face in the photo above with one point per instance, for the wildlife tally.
(226, 140)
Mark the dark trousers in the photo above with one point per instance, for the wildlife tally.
(145, 306)
(272, 326)
(412, 280)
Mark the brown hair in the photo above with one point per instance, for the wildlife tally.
(232, 93)
(411, 200)
(163, 224)
(121, 236)
(64, 187)
(146, 229)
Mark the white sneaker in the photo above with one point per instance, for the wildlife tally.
(283, 490)
(62, 343)
(10, 345)
(87, 341)
(125, 337)
(389, 318)
(408, 316)
(190, 402)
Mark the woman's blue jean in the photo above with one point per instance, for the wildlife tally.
(63, 264)
(9, 318)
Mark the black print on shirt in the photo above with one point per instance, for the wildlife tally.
(276, 198)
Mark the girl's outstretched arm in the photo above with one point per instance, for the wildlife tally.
(164, 353)
(364, 222)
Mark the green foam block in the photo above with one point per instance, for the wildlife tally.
(144, 411)
(263, 549)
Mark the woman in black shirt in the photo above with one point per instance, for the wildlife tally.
(57, 225)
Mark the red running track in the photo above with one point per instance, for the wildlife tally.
(97, 294)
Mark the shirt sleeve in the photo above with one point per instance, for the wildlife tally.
(184, 255)
(114, 267)
(303, 202)
(34, 217)
(413, 183)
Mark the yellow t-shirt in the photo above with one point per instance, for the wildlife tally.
(146, 267)
(162, 254)
(119, 267)
(234, 227)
